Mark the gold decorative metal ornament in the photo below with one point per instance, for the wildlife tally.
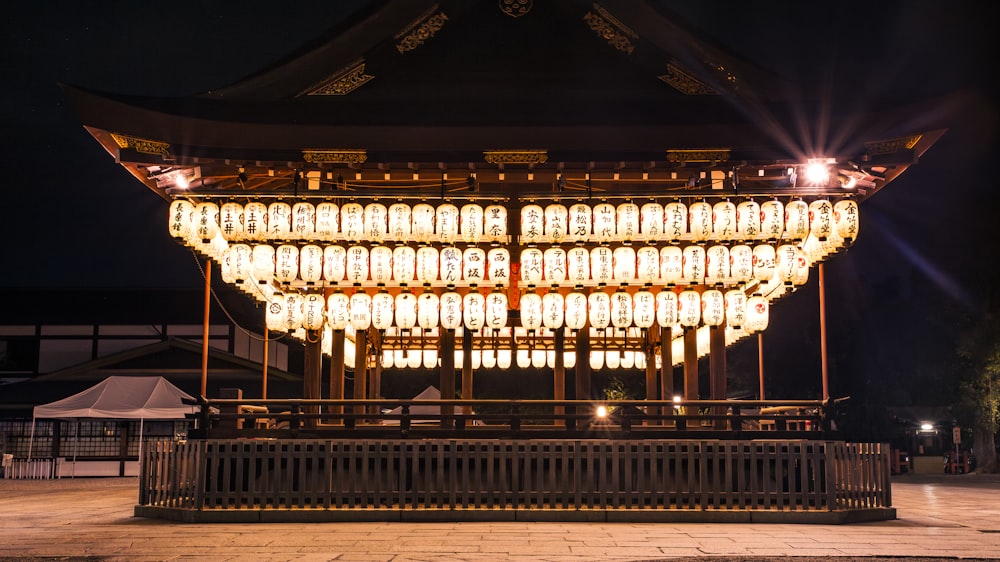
(420, 31)
(890, 146)
(515, 8)
(344, 81)
(685, 83)
(335, 156)
(609, 28)
(516, 156)
(144, 146)
(681, 156)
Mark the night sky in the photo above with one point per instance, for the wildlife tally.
(74, 218)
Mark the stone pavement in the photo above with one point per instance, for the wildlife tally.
(938, 517)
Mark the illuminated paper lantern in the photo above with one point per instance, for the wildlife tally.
(313, 311)
(741, 263)
(180, 219)
(338, 306)
(596, 360)
(225, 267)
(473, 311)
(274, 318)
(532, 262)
(605, 219)
(388, 359)
(601, 264)
(375, 222)
(380, 258)
(651, 220)
(713, 307)
(553, 310)
(623, 259)
(334, 263)
(428, 308)
(772, 219)
(382, 310)
(294, 311)
(846, 220)
(556, 222)
(599, 309)
(694, 264)
(327, 220)
(495, 223)
(647, 264)
(427, 265)
(255, 221)
(498, 264)
(736, 308)
(763, 262)
(303, 220)
(451, 265)
(400, 221)
(474, 266)
(263, 263)
(240, 262)
(531, 311)
(675, 220)
(206, 221)
(523, 358)
(231, 221)
(554, 265)
(496, 310)
(576, 311)
(532, 224)
(451, 311)
(786, 262)
(628, 221)
(801, 274)
(757, 314)
(689, 308)
(489, 359)
(423, 222)
(286, 263)
(406, 310)
(357, 264)
(471, 225)
(621, 309)
(821, 219)
(569, 359)
(504, 359)
(538, 357)
(361, 311)
(667, 309)
(446, 224)
(717, 265)
(724, 220)
(700, 220)
(644, 309)
(580, 220)
(279, 221)
(796, 219)
(404, 264)
(311, 263)
(352, 220)
(671, 265)
(747, 220)
(578, 265)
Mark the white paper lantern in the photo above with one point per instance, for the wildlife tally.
(451, 311)
(700, 220)
(263, 263)
(428, 308)
(311, 263)
(286, 263)
(747, 220)
(671, 265)
(400, 222)
(667, 309)
(275, 316)
(352, 220)
(532, 263)
(846, 220)
(736, 308)
(255, 221)
(429, 357)
(763, 262)
(576, 311)
(496, 310)
(225, 267)
(531, 311)
(423, 222)
(623, 258)
(724, 220)
(388, 359)
(495, 223)
(206, 221)
(597, 360)
(406, 310)
(382, 303)
(694, 264)
(621, 309)
(240, 262)
(599, 309)
(451, 265)
(338, 307)
(797, 219)
(689, 308)
(180, 219)
(404, 264)
(376, 222)
(279, 221)
(821, 219)
(334, 263)
(357, 264)
(313, 311)
(786, 262)
(741, 263)
(471, 225)
(713, 307)
(473, 311)
(553, 310)
(380, 258)
(504, 359)
(675, 220)
(601, 264)
(556, 222)
(801, 275)
(294, 311)
(554, 265)
(474, 266)
(498, 264)
(532, 224)
(647, 264)
(757, 314)
(628, 221)
(361, 311)
(651, 220)
(327, 220)
(427, 265)
(523, 358)
(231, 221)
(489, 359)
(644, 309)
(578, 265)
(538, 358)
(605, 219)
(446, 225)
(717, 265)
(569, 359)
(580, 220)
(303, 221)
(772, 219)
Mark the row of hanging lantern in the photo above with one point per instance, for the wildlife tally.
(555, 223)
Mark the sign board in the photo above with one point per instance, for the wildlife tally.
(956, 434)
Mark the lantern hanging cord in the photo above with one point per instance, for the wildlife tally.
(218, 302)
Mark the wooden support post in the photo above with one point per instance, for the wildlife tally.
(466, 370)
(337, 374)
(447, 356)
(691, 364)
(263, 374)
(204, 332)
(822, 331)
(649, 344)
(582, 379)
(559, 374)
(717, 370)
(312, 367)
(360, 368)
(760, 363)
(666, 364)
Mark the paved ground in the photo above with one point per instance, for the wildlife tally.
(939, 517)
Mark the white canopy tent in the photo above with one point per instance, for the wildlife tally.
(119, 397)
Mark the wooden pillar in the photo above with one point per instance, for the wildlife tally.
(263, 374)
(360, 368)
(204, 331)
(375, 383)
(822, 331)
(559, 374)
(466, 370)
(312, 367)
(337, 374)
(582, 374)
(717, 370)
(760, 362)
(691, 364)
(649, 345)
(446, 354)
(666, 364)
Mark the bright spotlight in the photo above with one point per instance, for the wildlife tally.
(926, 426)
(817, 174)
(602, 412)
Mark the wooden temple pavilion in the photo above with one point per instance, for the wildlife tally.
(467, 185)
